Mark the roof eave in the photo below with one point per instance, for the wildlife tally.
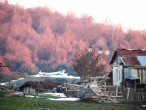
(135, 66)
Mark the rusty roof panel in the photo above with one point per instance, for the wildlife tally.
(131, 53)
(128, 53)
(131, 61)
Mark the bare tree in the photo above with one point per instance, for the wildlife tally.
(89, 63)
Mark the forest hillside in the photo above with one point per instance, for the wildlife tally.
(39, 39)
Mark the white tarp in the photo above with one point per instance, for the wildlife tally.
(130, 73)
(54, 94)
(117, 75)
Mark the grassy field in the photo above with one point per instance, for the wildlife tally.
(22, 103)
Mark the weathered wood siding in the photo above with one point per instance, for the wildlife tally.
(142, 75)
(132, 94)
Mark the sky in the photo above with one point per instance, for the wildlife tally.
(128, 13)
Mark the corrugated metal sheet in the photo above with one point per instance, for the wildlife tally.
(134, 61)
(130, 53)
(127, 53)
(131, 61)
(142, 60)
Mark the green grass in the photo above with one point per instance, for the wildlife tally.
(22, 103)
(3, 93)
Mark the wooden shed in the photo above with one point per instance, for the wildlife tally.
(129, 68)
(129, 72)
(33, 87)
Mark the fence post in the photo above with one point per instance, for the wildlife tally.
(128, 91)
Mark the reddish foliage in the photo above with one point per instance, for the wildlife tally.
(32, 39)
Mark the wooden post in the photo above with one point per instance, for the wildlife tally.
(116, 90)
(128, 91)
(135, 83)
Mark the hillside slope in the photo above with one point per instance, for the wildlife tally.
(39, 39)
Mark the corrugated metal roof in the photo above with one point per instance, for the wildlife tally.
(129, 55)
(131, 61)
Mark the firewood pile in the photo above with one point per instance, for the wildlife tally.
(96, 89)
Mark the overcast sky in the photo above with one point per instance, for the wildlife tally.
(129, 13)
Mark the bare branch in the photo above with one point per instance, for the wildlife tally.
(89, 63)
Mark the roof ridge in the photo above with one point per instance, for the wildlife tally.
(132, 49)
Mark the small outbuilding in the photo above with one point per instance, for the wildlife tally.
(129, 72)
(36, 87)
(129, 68)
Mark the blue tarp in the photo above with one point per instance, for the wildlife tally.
(130, 74)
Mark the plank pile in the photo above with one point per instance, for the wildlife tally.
(100, 92)
(95, 89)
(71, 90)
